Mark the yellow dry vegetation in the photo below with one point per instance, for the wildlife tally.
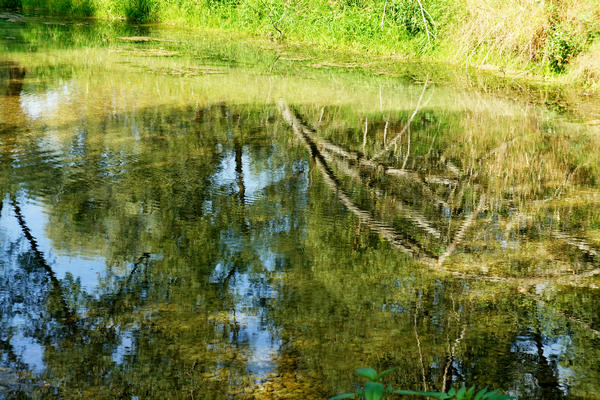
(586, 66)
(502, 26)
(522, 29)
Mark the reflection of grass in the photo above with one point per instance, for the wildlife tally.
(514, 37)
(521, 157)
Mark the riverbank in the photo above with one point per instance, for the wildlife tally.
(557, 41)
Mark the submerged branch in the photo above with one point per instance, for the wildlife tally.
(452, 350)
(420, 352)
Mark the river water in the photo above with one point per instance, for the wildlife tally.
(189, 216)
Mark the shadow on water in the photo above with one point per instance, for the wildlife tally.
(229, 250)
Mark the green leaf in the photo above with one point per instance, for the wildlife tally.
(461, 393)
(470, 393)
(497, 396)
(435, 395)
(368, 373)
(343, 396)
(481, 394)
(384, 373)
(374, 390)
(491, 395)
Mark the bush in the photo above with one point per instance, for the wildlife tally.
(10, 3)
(407, 13)
(141, 11)
(561, 47)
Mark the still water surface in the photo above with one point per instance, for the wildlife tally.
(192, 217)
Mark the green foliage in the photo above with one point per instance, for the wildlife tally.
(561, 47)
(407, 14)
(222, 3)
(70, 7)
(11, 3)
(375, 390)
(141, 11)
(461, 394)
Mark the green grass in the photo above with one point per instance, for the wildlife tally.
(555, 39)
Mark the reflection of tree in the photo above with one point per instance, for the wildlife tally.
(39, 260)
(194, 251)
(192, 347)
(545, 378)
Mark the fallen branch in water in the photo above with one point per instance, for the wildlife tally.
(413, 215)
(361, 161)
(577, 243)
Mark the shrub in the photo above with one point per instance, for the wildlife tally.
(10, 3)
(141, 11)
(407, 14)
(374, 389)
(561, 47)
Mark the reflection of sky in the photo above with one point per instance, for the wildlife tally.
(255, 180)
(126, 345)
(86, 268)
(553, 349)
(38, 104)
(30, 352)
(248, 287)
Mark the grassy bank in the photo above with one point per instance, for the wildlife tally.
(552, 38)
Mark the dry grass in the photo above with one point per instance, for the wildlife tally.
(586, 67)
(505, 27)
(520, 31)
(582, 16)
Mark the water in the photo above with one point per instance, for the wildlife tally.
(199, 217)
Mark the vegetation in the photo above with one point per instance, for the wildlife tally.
(518, 37)
(164, 229)
(375, 390)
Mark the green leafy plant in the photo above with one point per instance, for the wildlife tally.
(461, 394)
(11, 3)
(374, 389)
(561, 47)
(141, 11)
(408, 14)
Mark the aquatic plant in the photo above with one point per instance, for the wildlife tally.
(374, 389)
